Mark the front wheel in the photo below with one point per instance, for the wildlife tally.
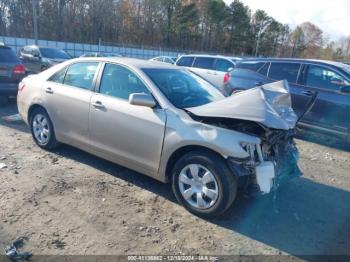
(203, 184)
(42, 129)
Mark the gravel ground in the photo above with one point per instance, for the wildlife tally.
(70, 202)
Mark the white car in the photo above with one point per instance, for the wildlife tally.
(210, 67)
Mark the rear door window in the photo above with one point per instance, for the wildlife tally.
(185, 61)
(204, 62)
(284, 71)
(223, 65)
(7, 55)
(59, 76)
(81, 75)
(320, 77)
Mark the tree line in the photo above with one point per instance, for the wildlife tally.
(190, 25)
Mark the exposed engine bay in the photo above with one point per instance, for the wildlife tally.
(264, 112)
(277, 147)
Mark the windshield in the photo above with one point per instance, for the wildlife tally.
(54, 53)
(183, 88)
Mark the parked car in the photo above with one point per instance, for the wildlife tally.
(330, 80)
(167, 123)
(165, 59)
(38, 58)
(210, 67)
(98, 54)
(11, 71)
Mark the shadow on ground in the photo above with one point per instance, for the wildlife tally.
(307, 218)
(10, 108)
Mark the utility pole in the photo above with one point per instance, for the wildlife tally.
(257, 43)
(35, 20)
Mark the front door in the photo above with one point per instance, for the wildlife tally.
(332, 107)
(127, 134)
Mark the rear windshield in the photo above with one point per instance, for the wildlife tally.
(54, 53)
(7, 55)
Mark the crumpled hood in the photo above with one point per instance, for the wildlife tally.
(269, 105)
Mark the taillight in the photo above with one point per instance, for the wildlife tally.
(21, 86)
(226, 78)
(19, 69)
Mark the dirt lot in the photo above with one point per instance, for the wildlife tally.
(70, 202)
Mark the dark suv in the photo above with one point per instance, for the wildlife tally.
(37, 58)
(331, 80)
(11, 71)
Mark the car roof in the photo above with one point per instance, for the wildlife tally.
(134, 62)
(211, 56)
(295, 60)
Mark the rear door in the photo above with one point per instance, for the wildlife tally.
(332, 107)
(127, 134)
(67, 96)
(204, 67)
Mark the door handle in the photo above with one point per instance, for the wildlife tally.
(49, 90)
(308, 93)
(98, 104)
(259, 83)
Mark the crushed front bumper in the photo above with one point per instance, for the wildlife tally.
(263, 172)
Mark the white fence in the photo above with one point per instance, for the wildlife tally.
(77, 49)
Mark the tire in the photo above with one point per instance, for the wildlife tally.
(42, 129)
(214, 176)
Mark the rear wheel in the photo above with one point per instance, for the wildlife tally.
(42, 129)
(203, 184)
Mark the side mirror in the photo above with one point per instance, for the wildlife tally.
(141, 99)
(345, 89)
(230, 69)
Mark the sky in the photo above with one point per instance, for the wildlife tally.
(332, 16)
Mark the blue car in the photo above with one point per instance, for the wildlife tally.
(325, 82)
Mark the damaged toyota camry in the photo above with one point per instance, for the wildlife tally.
(166, 122)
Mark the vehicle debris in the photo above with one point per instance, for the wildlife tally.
(12, 251)
(266, 112)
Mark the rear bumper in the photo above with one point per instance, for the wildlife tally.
(8, 89)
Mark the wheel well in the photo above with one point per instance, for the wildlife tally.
(182, 151)
(32, 108)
